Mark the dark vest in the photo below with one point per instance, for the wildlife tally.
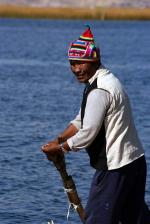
(97, 149)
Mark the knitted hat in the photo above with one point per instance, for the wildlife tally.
(84, 48)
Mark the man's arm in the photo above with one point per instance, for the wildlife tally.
(71, 130)
(53, 146)
(98, 102)
(67, 133)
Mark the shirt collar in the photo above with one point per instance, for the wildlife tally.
(98, 72)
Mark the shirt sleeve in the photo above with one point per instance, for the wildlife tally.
(77, 121)
(97, 104)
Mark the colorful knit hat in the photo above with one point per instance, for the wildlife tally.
(84, 48)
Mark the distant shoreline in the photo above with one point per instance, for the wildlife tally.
(98, 13)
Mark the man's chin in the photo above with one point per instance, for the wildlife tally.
(82, 80)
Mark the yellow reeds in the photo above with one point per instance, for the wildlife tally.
(75, 13)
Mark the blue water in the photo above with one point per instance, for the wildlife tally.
(39, 96)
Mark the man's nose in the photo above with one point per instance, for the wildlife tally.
(77, 68)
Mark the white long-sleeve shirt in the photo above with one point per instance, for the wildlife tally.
(108, 103)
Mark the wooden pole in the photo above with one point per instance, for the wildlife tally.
(69, 184)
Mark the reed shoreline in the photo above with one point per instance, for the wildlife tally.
(99, 13)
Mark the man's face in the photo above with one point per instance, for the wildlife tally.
(83, 70)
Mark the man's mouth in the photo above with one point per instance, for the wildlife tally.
(79, 75)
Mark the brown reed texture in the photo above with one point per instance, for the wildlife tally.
(101, 13)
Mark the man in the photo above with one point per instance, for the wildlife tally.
(105, 128)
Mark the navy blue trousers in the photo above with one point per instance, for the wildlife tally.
(118, 196)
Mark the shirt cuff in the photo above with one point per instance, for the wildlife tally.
(70, 143)
(77, 124)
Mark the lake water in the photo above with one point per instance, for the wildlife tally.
(39, 96)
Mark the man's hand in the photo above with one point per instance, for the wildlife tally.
(52, 148)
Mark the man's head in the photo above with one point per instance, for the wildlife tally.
(84, 56)
(83, 70)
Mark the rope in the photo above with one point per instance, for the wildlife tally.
(71, 205)
(68, 190)
(50, 222)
